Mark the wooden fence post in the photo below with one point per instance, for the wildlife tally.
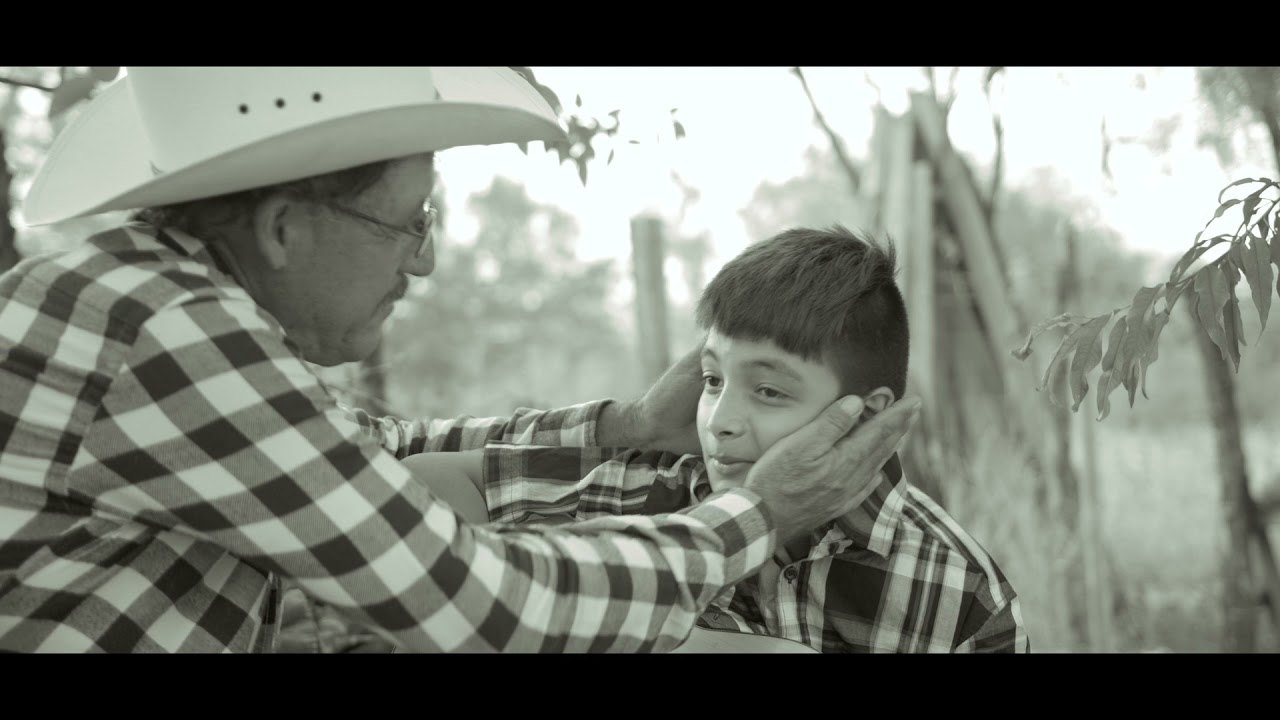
(648, 255)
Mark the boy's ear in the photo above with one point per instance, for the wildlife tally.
(876, 401)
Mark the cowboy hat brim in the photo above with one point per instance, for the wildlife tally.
(100, 162)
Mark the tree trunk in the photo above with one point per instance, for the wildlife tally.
(8, 237)
(1239, 600)
(1273, 129)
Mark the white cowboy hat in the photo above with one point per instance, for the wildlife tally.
(167, 135)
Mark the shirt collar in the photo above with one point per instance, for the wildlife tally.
(873, 523)
(186, 244)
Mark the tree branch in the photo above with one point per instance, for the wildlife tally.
(24, 83)
(851, 170)
(997, 171)
(879, 93)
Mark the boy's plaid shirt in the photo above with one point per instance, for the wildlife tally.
(166, 457)
(896, 575)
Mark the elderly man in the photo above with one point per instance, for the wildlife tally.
(167, 457)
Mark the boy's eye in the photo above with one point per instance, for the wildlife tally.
(771, 394)
(711, 381)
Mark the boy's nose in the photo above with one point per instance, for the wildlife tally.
(725, 420)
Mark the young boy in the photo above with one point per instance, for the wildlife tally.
(792, 323)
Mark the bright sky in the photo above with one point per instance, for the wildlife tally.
(748, 125)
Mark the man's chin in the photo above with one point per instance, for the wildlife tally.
(352, 348)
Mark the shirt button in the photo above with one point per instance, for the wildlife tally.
(790, 574)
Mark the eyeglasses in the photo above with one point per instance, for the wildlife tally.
(428, 221)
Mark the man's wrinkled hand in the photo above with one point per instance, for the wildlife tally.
(666, 418)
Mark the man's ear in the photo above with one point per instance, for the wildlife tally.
(876, 401)
(280, 231)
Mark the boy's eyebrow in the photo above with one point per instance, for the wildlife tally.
(774, 365)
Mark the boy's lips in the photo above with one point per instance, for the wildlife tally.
(729, 465)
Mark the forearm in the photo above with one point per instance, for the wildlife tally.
(618, 427)
(573, 426)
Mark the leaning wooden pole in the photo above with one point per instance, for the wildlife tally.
(1001, 320)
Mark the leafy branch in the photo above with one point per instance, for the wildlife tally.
(1132, 344)
(578, 148)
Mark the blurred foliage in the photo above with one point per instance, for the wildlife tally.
(1235, 98)
(510, 317)
(819, 196)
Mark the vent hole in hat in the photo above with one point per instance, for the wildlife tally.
(244, 109)
(279, 102)
(315, 97)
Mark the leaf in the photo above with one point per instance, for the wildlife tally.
(1275, 257)
(614, 114)
(1105, 383)
(1174, 291)
(1191, 255)
(1238, 182)
(1135, 341)
(1232, 323)
(1234, 263)
(1232, 332)
(1058, 367)
(104, 74)
(1221, 209)
(524, 147)
(679, 129)
(610, 160)
(1250, 203)
(1153, 347)
(1087, 356)
(1044, 325)
(582, 173)
(1131, 384)
(1211, 295)
(1257, 272)
(577, 100)
(69, 93)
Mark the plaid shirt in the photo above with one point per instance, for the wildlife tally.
(895, 575)
(166, 457)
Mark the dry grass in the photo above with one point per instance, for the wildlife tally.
(1161, 527)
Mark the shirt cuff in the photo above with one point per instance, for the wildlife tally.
(739, 517)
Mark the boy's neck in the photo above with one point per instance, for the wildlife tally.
(796, 548)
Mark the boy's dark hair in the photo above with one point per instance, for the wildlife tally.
(825, 295)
